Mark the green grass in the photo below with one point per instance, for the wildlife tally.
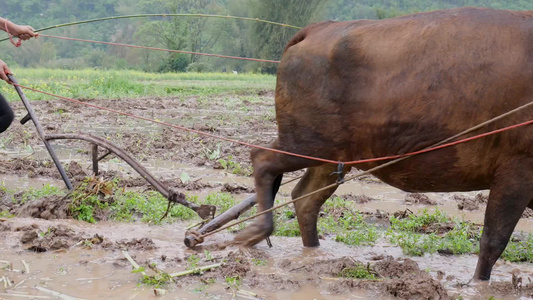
(147, 207)
(360, 271)
(347, 225)
(462, 239)
(99, 84)
(223, 201)
(46, 190)
(520, 251)
(340, 219)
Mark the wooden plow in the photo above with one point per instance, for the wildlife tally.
(206, 212)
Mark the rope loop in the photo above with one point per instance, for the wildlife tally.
(17, 44)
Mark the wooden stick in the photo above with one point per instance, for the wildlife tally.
(57, 294)
(247, 293)
(132, 262)
(200, 269)
(18, 284)
(24, 296)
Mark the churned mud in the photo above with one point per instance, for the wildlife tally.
(45, 250)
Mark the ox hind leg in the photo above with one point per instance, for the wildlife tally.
(510, 194)
(268, 169)
(308, 208)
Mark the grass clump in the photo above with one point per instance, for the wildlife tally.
(147, 207)
(340, 218)
(223, 201)
(519, 250)
(234, 167)
(360, 271)
(434, 232)
(6, 214)
(45, 191)
(416, 223)
(97, 199)
(90, 197)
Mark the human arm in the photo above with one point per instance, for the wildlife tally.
(24, 32)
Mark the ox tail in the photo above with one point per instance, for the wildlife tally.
(302, 34)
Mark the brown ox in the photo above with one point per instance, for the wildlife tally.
(373, 88)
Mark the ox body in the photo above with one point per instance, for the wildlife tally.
(372, 88)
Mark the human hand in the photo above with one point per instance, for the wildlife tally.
(4, 70)
(23, 32)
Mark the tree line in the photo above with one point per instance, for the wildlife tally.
(221, 36)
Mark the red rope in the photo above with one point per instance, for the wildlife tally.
(161, 49)
(17, 44)
(280, 151)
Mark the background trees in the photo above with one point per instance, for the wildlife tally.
(230, 37)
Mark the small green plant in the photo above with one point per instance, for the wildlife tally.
(348, 227)
(259, 262)
(359, 237)
(234, 167)
(287, 228)
(459, 237)
(208, 256)
(415, 223)
(6, 214)
(192, 262)
(213, 154)
(223, 201)
(233, 282)
(45, 191)
(360, 271)
(45, 233)
(519, 250)
(158, 280)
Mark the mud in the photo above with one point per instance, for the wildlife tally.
(48, 208)
(416, 198)
(357, 198)
(86, 260)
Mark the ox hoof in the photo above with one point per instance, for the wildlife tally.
(253, 234)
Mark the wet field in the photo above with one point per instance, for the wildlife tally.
(87, 260)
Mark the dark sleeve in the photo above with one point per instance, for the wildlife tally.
(6, 114)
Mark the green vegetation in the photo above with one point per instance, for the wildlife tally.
(45, 191)
(443, 234)
(380, 9)
(519, 250)
(223, 201)
(6, 214)
(221, 36)
(426, 232)
(192, 262)
(89, 84)
(234, 167)
(360, 271)
(342, 220)
(160, 279)
(233, 282)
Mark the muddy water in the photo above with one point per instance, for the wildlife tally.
(104, 274)
(101, 274)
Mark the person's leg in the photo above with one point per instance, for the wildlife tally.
(6, 114)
